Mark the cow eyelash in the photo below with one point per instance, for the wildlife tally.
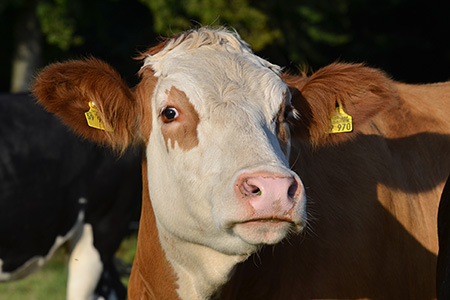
(291, 114)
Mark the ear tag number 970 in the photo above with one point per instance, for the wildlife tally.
(341, 121)
(93, 118)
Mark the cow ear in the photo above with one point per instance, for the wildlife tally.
(72, 88)
(360, 91)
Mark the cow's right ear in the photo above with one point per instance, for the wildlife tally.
(360, 91)
(72, 88)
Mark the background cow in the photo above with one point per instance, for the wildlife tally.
(443, 263)
(210, 113)
(57, 190)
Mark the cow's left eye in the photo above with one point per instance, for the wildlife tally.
(169, 114)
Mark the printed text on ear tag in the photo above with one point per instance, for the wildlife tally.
(340, 121)
(93, 118)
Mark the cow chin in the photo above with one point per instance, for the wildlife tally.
(264, 231)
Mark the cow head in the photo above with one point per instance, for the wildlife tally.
(211, 115)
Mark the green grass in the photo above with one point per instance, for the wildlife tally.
(126, 253)
(49, 283)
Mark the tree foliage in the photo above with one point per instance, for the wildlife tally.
(399, 36)
(294, 25)
(251, 22)
(57, 24)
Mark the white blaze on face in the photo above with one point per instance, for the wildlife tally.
(214, 112)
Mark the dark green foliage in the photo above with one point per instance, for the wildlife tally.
(404, 37)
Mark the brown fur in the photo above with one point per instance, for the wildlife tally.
(183, 130)
(152, 277)
(360, 90)
(372, 194)
(144, 94)
(282, 133)
(66, 88)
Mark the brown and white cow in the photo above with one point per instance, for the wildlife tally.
(217, 122)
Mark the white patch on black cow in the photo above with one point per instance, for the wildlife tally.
(47, 174)
(37, 262)
(84, 257)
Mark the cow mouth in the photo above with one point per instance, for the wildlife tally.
(268, 220)
(270, 230)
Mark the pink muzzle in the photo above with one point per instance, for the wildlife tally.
(270, 195)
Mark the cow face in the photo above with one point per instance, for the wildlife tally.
(212, 116)
(222, 178)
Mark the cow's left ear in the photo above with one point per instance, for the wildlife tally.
(360, 92)
(74, 88)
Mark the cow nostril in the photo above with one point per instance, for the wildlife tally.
(257, 192)
(293, 189)
(249, 189)
(269, 187)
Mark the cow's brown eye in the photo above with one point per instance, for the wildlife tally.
(169, 114)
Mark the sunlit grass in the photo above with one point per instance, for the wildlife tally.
(49, 283)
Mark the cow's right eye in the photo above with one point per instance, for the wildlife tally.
(169, 114)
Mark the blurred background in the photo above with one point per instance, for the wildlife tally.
(406, 38)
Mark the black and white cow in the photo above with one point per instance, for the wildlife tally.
(55, 190)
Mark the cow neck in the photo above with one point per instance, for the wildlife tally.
(152, 276)
(201, 271)
(166, 267)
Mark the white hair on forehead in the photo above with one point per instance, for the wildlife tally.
(221, 39)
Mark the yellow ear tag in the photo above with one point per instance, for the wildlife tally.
(340, 121)
(93, 118)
